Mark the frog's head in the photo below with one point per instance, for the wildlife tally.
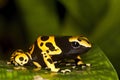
(19, 58)
(79, 45)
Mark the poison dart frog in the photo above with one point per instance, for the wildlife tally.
(48, 49)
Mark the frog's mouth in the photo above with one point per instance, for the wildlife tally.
(79, 51)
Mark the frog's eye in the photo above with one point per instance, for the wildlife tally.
(75, 44)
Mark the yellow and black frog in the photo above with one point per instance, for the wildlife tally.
(50, 49)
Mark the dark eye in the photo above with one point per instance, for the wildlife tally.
(75, 44)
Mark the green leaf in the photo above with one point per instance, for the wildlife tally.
(106, 33)
(101, 69)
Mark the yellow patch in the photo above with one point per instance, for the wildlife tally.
(44, 48)
(78, 57)
(37, 64)
(84, 43)
(49, 64)
(79, 63)
(21, 62)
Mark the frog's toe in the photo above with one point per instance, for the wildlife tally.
(88, 65)
(65, 71)
(55, 70)
(83, 66)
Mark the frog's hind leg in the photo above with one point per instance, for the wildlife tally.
(49, 62)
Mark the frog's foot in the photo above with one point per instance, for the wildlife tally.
(55, 69)
(9, 63)
(83, 66)
(65, 71)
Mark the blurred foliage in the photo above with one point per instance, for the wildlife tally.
(21, 21)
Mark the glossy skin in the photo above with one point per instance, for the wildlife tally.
(48, 49)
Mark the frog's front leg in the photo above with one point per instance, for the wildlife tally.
(49, 62)
(79, 62)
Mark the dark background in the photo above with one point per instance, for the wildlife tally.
(21, 21)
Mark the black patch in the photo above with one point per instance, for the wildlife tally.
(64, 44)
(37, 56)
(50, 61)
(44, 38)
(50, 46)
(41, 44)
(21, 58)
(25, 60)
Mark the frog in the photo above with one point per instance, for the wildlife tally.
(46, 50)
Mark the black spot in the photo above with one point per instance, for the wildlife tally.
(21, 58)
(41, 44)
(47, 51)
(25, 60)
(21, 63)
(44, 53)
(50, 46)
(50, 61)
(44, 38)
